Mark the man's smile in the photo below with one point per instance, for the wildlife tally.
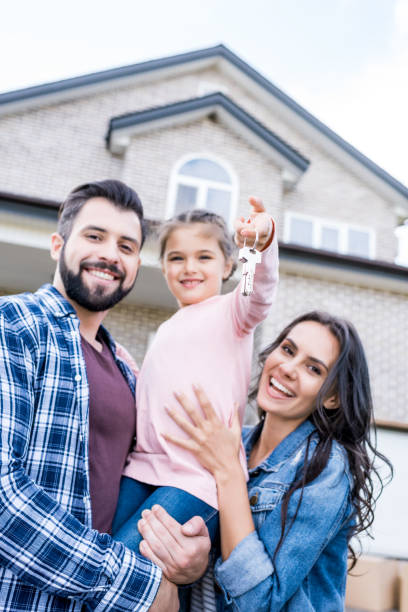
(103, 272)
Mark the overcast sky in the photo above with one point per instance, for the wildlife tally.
(345, 61)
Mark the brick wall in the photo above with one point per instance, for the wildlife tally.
(46, 151)
(380, 318)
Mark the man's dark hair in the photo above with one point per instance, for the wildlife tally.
(116, 192)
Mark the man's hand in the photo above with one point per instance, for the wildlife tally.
(166, 599)
(258, 221)
(180, 550)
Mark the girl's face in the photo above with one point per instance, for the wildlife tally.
(294, 373)
(193, 264)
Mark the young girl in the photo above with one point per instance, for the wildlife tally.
(209, 339)
(312, 470)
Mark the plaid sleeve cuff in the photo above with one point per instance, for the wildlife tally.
(134, 587)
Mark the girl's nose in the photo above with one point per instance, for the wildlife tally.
(189, 265)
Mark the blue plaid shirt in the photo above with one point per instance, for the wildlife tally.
(50, 557)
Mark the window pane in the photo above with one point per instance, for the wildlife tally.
(358, 243)
(329, 239)
(205, 169)
(219, 202)
(301, 232)
(185, 198)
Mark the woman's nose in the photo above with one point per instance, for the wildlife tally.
(288, 368)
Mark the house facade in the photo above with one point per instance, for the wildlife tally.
(206, 129)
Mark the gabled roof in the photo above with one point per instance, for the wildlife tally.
(230, 63)
(121, 128)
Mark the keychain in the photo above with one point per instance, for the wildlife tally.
(249, 257)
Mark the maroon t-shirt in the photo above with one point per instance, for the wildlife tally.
(112, 422)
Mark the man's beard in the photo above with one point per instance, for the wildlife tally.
(96, 300)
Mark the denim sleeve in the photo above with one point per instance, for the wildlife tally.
(248, 576)
(41, 543)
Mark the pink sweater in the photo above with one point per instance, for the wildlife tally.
(210, 344)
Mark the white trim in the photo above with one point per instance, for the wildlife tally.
(401, 233)
(202, 184)
(343, 228)
(207, 87)
(120, 137)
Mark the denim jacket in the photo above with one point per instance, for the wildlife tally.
(309, 571)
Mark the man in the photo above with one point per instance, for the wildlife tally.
(65, 389)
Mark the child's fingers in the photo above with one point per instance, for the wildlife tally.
(240, 224)
(256, 204)
(249, 232)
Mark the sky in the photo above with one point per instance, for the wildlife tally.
(345, 61)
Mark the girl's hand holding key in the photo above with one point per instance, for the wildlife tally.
(259, 221)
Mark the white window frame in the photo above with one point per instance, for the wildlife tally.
(342, 228)
(401, 233)
(202, 184)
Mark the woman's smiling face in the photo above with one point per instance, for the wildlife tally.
(295, 371)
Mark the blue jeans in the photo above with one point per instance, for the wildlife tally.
(134, 497)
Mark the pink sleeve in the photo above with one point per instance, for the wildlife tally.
(249, 311)
(123, 354)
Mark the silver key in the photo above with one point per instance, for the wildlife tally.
(249, 256)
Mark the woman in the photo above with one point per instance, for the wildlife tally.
(285, 534)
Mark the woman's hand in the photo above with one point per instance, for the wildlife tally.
(215, 445)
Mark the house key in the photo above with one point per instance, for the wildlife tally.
(249, 257)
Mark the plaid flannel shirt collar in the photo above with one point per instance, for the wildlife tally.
(53, 301)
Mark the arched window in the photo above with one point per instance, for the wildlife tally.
(201, 181)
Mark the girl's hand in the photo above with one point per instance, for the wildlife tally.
(215, 445)
(258, 221)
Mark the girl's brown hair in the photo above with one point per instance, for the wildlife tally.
(219, 228)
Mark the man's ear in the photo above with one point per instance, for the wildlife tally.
(331, 402)
(57, 242)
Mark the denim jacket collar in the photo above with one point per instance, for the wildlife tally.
(283, 451)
